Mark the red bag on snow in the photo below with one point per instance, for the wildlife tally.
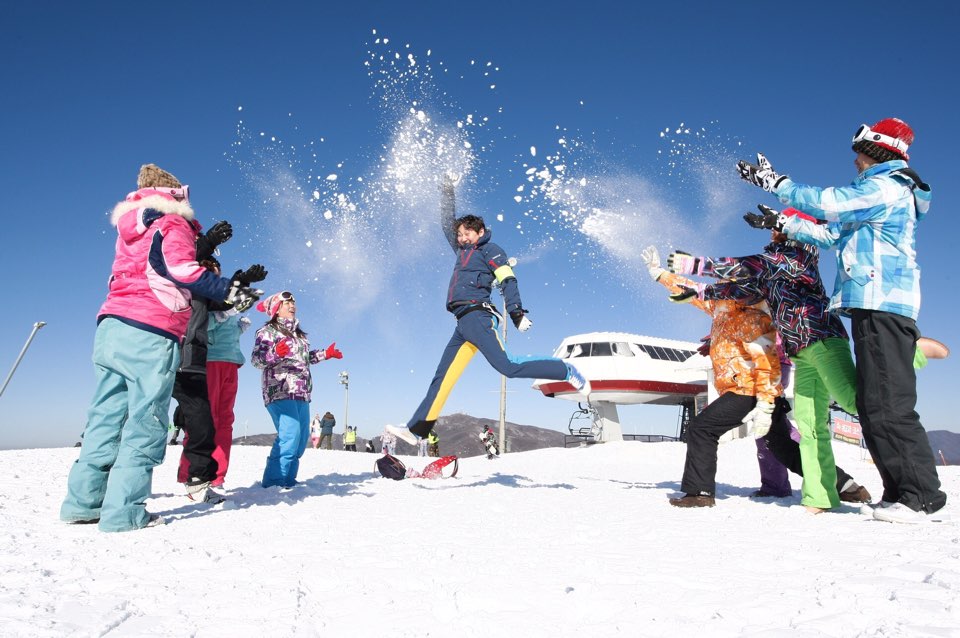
(435, 469)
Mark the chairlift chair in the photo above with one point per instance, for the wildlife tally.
(577, 426)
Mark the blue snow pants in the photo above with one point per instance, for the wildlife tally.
(126, 432)
(475, 331)
(292, 420)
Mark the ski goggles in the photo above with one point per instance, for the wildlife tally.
(286, 296)
(865, 134)
(181, 194)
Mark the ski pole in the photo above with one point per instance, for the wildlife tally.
(36, 327)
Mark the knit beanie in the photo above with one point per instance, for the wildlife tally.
(152, 175)
(271, 305)
(883, 152)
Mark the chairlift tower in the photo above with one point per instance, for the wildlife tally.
(511, 261)
(345, 382)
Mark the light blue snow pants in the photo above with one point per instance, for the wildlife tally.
(126, 432)
(292, 420)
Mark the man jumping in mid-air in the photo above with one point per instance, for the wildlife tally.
(479, 263)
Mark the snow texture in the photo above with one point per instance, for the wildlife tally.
(375, 196)
(572, 197)
(556, 542)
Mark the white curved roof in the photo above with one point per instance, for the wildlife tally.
(630, 368)
(590, 337)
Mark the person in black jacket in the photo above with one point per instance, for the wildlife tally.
(198, 468)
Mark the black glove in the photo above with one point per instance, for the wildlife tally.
(519, 320)
(704, 349)
(219, 233)
(768, 218)
(254, 273)
(687, 294)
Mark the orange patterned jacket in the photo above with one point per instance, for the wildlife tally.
(742, 344)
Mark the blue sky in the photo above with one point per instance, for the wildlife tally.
(585, 132)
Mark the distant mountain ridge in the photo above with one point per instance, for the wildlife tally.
(459, 435)
(946, 446)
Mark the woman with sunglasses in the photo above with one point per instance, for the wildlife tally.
(282, 351)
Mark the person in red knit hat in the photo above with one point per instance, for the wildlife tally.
(872, 224)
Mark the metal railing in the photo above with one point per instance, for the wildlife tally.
(570, 440)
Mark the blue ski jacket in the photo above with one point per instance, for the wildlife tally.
(873, 225)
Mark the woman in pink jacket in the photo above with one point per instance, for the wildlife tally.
(137, 350)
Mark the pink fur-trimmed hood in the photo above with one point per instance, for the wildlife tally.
(155, 262)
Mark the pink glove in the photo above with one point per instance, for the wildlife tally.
(282, 348)
(683, 263)
(332, 353)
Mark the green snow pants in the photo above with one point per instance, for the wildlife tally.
(822, 370)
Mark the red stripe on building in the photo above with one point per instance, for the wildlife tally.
(626, 385)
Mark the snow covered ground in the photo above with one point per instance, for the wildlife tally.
(576, 542)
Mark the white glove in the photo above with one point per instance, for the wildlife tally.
(242, 297)
(760, 174)
(651, 258)
(519, 318)
(758, 420)
(449, 181)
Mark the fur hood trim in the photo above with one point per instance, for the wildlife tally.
(149, 198)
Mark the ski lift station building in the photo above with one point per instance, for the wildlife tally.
(628, 369)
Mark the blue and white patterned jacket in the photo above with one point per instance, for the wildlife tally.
(873, 225)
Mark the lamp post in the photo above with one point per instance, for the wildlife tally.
(36, 327)
(503, 378)
(345, 382)
(503, 389)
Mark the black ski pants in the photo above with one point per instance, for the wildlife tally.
(703, 438)
(193, 416)
(884, 345)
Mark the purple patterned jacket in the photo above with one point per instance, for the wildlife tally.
(284, 377)
(787, 277)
